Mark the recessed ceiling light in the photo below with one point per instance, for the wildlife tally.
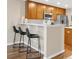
(46, 0)
(61, 0)
(58, 3)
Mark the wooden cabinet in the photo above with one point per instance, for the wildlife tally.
(36, 10)
(68, 36)
(32, 10)
(54, 12)
(49, 9)
(54, 17)
(40, 11)
(60, 11)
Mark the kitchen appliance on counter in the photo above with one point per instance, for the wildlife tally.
(47, 17)
(62, 19)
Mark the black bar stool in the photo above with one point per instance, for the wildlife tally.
(16, 31)
(22, 33)
(29, 35)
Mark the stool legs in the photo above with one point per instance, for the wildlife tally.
(29, 41)
(27, 47)
(39, 47)
(29, 44)
(21, 36)
(14, 40)
(20, 41)
(23, 40)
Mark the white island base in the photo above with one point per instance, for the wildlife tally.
(52, 39)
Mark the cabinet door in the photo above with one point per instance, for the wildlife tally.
(68, 36)
(60, 11)
(32, 10)
(54, 17)
(54, 11)
(49, 9)
(40, 11)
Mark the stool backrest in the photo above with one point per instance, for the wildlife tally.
(20, 30)
(27, 31)
(15, 30)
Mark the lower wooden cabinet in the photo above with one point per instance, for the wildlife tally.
(68, 36)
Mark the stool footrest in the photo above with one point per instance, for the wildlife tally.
(22, 47)
(34, 58)
(34, 52)
(22, 51)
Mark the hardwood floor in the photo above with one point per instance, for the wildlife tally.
(66, 54)
(13, 53)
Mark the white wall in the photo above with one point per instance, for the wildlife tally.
(15, 10)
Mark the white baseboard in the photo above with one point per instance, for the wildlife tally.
(56, 54)
(11, 43)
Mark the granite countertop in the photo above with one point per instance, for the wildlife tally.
(70, 27)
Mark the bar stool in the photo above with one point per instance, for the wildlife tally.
(16, 31)
(22, 33)
(29, 35)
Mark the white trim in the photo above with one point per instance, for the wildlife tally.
(56, 54)
(9, 44)
(12, 43)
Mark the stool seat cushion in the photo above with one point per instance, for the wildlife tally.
(33, 36)
(23, 33)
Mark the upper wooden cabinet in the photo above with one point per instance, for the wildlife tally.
(54, 13)
(32, 10)
(40, 11)
(54, 10)
(49, 9)
(36, 10)
(60, 11)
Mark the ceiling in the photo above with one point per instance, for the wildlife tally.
(67, 4)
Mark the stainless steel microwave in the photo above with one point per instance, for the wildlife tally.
(47, 16)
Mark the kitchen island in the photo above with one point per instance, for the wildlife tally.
(51, 36)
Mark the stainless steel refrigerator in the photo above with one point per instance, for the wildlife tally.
(62, 19)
